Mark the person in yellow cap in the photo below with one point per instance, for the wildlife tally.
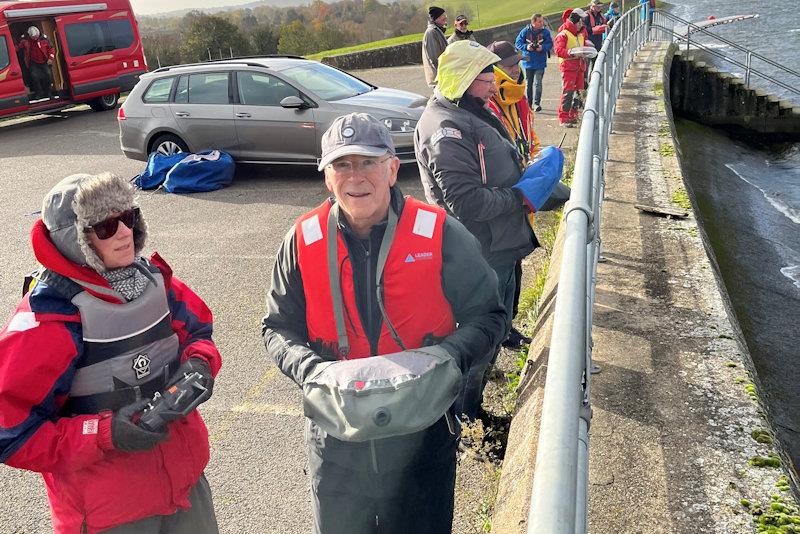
(469, 164)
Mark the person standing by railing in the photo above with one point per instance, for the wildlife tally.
(570, 35)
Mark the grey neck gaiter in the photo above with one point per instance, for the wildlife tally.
(129, 281)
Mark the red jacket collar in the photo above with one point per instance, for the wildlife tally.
(48, 255)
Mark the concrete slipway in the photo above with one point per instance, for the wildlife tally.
(677, 425)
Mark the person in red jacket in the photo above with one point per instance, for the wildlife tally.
(38, 56)
(571, 34)
(99, 334)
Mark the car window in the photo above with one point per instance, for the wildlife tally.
(158, 91)
(94, 37)
(182, 91)
(325, 81)
(262, 89)
(208, 88)
(4, 59)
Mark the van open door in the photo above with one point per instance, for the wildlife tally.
(13, 93)
(58, 69)
(87, 44)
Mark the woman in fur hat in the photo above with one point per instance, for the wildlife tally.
(101, 332)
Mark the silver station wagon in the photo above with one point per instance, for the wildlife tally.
(270, 109)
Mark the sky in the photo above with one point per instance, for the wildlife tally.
(151, 7)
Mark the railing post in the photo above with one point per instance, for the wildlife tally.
(747, 70)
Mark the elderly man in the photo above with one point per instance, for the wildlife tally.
(433, 43)
(468, 164)
(38, 56)
(460, 31)
(435, 289)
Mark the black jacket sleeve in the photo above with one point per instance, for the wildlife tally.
(455, 166)
(470, 285)
(284, 326)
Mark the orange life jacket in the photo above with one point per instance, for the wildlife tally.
(412, 282)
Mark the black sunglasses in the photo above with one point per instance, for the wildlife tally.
(107, 228)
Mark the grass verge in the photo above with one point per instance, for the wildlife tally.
(483, 15)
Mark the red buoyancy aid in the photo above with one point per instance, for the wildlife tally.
(413, 297)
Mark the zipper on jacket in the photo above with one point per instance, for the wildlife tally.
(374, 455)
(368, 259)
(481, 148)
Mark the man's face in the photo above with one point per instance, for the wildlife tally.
(361, 187)
(461, 25)
(513, 71)
(579, 25)
(538, 23)
(441, 21)
(594, 7)
(483, 87)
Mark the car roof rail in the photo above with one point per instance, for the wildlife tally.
(237, 60)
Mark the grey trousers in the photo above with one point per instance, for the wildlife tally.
(199, 519)
(417, 500)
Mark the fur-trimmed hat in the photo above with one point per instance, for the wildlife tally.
(80, 201)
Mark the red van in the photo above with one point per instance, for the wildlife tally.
(97, 53)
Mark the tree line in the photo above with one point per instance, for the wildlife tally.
(302, 30)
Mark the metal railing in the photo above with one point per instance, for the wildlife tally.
(559, 496)
(663, 28)
(558, 502)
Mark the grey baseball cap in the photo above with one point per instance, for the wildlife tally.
(357, 134)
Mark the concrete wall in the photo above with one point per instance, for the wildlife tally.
(703, 93)
(411, 53)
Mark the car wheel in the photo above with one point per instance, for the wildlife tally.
(168, 145)
(105, 102)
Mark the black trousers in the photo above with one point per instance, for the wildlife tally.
(40, 77)
(199, 519)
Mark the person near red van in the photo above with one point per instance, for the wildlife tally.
(38, 56)
(100, 333)
(570, 35)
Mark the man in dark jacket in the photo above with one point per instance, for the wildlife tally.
(434, 278)
(534, 43)
(460, 31)
(468, 164)
(595, 23)
(433, 43)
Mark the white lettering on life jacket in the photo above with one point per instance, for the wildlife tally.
(311, 230)
(424, 223)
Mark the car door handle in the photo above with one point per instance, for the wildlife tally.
(242, 115)
(181, 113)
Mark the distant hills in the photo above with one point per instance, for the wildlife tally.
(144, 9)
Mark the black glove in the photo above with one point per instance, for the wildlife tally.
(127, 436)
(194, 365)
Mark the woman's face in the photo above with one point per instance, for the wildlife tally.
(116, 251)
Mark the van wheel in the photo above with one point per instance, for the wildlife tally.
(168, 145)
(105, 102)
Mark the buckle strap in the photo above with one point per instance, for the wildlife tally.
(116, 399)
